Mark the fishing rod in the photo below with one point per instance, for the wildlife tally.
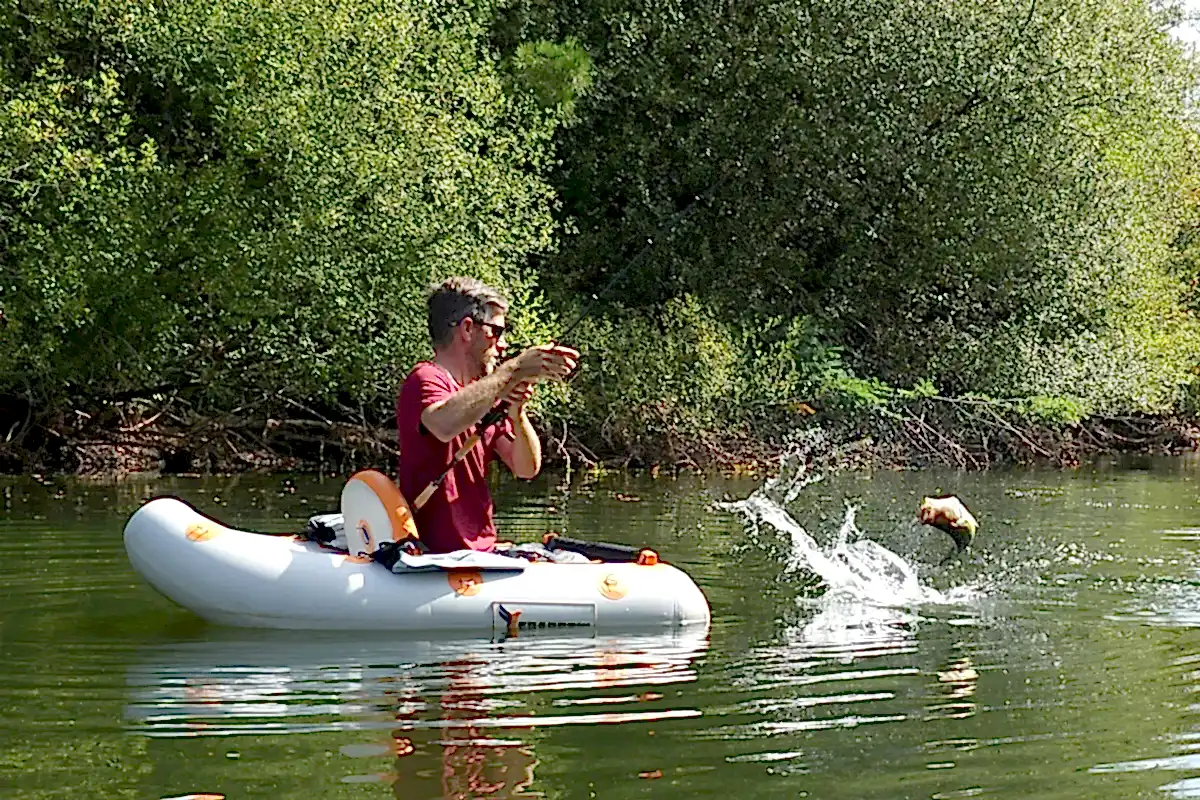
(496, 415)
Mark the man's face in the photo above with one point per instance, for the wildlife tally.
(488, 342)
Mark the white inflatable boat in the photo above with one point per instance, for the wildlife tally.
(234, 577)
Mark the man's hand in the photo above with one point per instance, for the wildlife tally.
(545, 362)
(517, 397)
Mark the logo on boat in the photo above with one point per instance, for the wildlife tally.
(200, 532)
(612, 587)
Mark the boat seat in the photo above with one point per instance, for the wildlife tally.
(374, 512)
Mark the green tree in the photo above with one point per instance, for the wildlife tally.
(247, 199)
(976, 194)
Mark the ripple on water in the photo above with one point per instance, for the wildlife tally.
(886, 684)
(1161, 601)
(851, 659)
(248, 687)
(42, 565)
(1188, 787)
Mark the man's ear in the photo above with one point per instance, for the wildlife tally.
(465, 328)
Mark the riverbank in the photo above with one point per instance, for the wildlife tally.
(920, 435)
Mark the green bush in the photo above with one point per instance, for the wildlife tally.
(687, 382)
(242, 201)
(246, 200)
(983, 195)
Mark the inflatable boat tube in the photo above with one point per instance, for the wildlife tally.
(234, 577)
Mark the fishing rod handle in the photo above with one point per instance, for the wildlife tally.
(428, 491)
(493, 417)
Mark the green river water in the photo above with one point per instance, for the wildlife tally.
(1061, 658)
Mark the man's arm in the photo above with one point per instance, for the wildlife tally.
(450, 417)
(523, 453)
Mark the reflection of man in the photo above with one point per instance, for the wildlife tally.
(474, 764)
(442, 400)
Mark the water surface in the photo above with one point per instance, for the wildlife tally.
(1059, 659)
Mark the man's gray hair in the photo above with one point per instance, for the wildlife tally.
(459, 297)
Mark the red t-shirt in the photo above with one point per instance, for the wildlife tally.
(459, 514)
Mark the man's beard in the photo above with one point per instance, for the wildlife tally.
(487, 365)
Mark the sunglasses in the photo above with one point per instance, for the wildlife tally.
(497, 331)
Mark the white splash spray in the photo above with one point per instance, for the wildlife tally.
(853, 568)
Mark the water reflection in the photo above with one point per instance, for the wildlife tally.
(845, 627)
(1163, 598)
(1184, 744)
(470, 761)
(448, 718)
(957, 683)
(848, 665)
(1075, 672)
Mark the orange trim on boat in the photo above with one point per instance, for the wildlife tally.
(400, 513)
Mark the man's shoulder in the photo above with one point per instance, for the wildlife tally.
(426, 384)
(427, 371)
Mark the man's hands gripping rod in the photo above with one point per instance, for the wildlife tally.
(541, 363)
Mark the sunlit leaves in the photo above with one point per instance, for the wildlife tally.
(975, 193)
(248, 198)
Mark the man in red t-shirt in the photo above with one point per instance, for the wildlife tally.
(442, 400)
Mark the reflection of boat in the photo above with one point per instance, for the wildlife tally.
(234, 683)
(433, 718)
(249, 579)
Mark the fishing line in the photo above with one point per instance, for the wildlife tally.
(665, 229)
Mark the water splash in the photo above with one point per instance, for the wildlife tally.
(852, 568)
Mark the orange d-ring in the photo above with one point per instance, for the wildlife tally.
(464, 582)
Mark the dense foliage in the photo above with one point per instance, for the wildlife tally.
(851, 203)
(246, 199)
(980, 196)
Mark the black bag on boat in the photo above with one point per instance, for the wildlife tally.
(326, 529)
(389, 552)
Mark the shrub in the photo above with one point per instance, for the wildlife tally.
(245, 201)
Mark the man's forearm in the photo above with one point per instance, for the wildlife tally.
(527, 448)
(464, 408)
